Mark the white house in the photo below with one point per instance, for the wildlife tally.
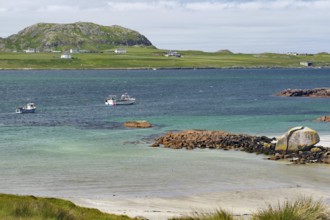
(30, 50)
(66, 56)
(172, 53)
(120, 51)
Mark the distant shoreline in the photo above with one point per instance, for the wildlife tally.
(161, 68)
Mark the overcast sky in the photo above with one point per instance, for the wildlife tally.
(247, 26)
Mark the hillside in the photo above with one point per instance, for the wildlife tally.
(80, 35)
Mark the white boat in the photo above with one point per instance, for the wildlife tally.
(125, 99)
(28, 108)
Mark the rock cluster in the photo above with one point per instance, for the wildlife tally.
(191, 139)
(317, 92)
(137, 124)
(317, 154)
(324, 119)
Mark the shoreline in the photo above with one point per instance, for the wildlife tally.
(164, 68)
(239, 202)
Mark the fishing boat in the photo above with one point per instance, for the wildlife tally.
(28, 108)
(125, 99)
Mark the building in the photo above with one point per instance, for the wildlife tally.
(31, 50)
(306, 63)
(74, 51)
(66, 56)
(172, 53)
(120, 51)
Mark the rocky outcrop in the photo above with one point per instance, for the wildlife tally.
(315, 93)
(297, 138)
(137, 124)
(191, 139)
(323, 119)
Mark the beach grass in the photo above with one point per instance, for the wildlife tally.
(150, 57)
(301, 209)
(13, 207)
(217, 215)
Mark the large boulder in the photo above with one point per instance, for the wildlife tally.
(296, 139)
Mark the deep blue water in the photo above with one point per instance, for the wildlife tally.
(75, 146)
(75, 98)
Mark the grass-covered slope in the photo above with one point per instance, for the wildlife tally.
(80, 35)
(149, 57)
(14, 207)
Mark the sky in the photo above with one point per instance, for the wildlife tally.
(241, 26)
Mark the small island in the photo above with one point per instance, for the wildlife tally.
(313, 93)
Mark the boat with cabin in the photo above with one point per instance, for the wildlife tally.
(125, 99)
(28, 108)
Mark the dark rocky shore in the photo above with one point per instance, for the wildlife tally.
(313, 93)
(191, 139)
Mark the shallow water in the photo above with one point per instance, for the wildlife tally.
(75, 146)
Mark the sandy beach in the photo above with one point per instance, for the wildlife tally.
(241, 203)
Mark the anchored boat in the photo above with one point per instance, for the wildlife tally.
(125, 99)
(28, 108)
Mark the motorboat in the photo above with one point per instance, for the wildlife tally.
(28, 108)
(125, 99)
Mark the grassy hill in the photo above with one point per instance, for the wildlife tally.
(80, 35)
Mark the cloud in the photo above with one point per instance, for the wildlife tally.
(218, 5)
(238, 25)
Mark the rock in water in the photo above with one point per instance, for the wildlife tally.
(324, 119)
(317, 92)
(297, 138)
(137, 124)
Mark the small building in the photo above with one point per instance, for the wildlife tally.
(31, 50)
(293, 53)
(66, 56)
(306, 63)
(74, 51)
(120, 51)
(172, 53)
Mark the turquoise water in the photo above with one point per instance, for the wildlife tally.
(75, 146)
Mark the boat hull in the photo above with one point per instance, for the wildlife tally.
(119, 102)
(24, 111)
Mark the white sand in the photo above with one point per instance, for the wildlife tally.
(237, 202)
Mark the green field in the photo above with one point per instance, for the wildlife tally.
(137, 57)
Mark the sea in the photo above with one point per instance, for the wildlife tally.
(75, 146)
